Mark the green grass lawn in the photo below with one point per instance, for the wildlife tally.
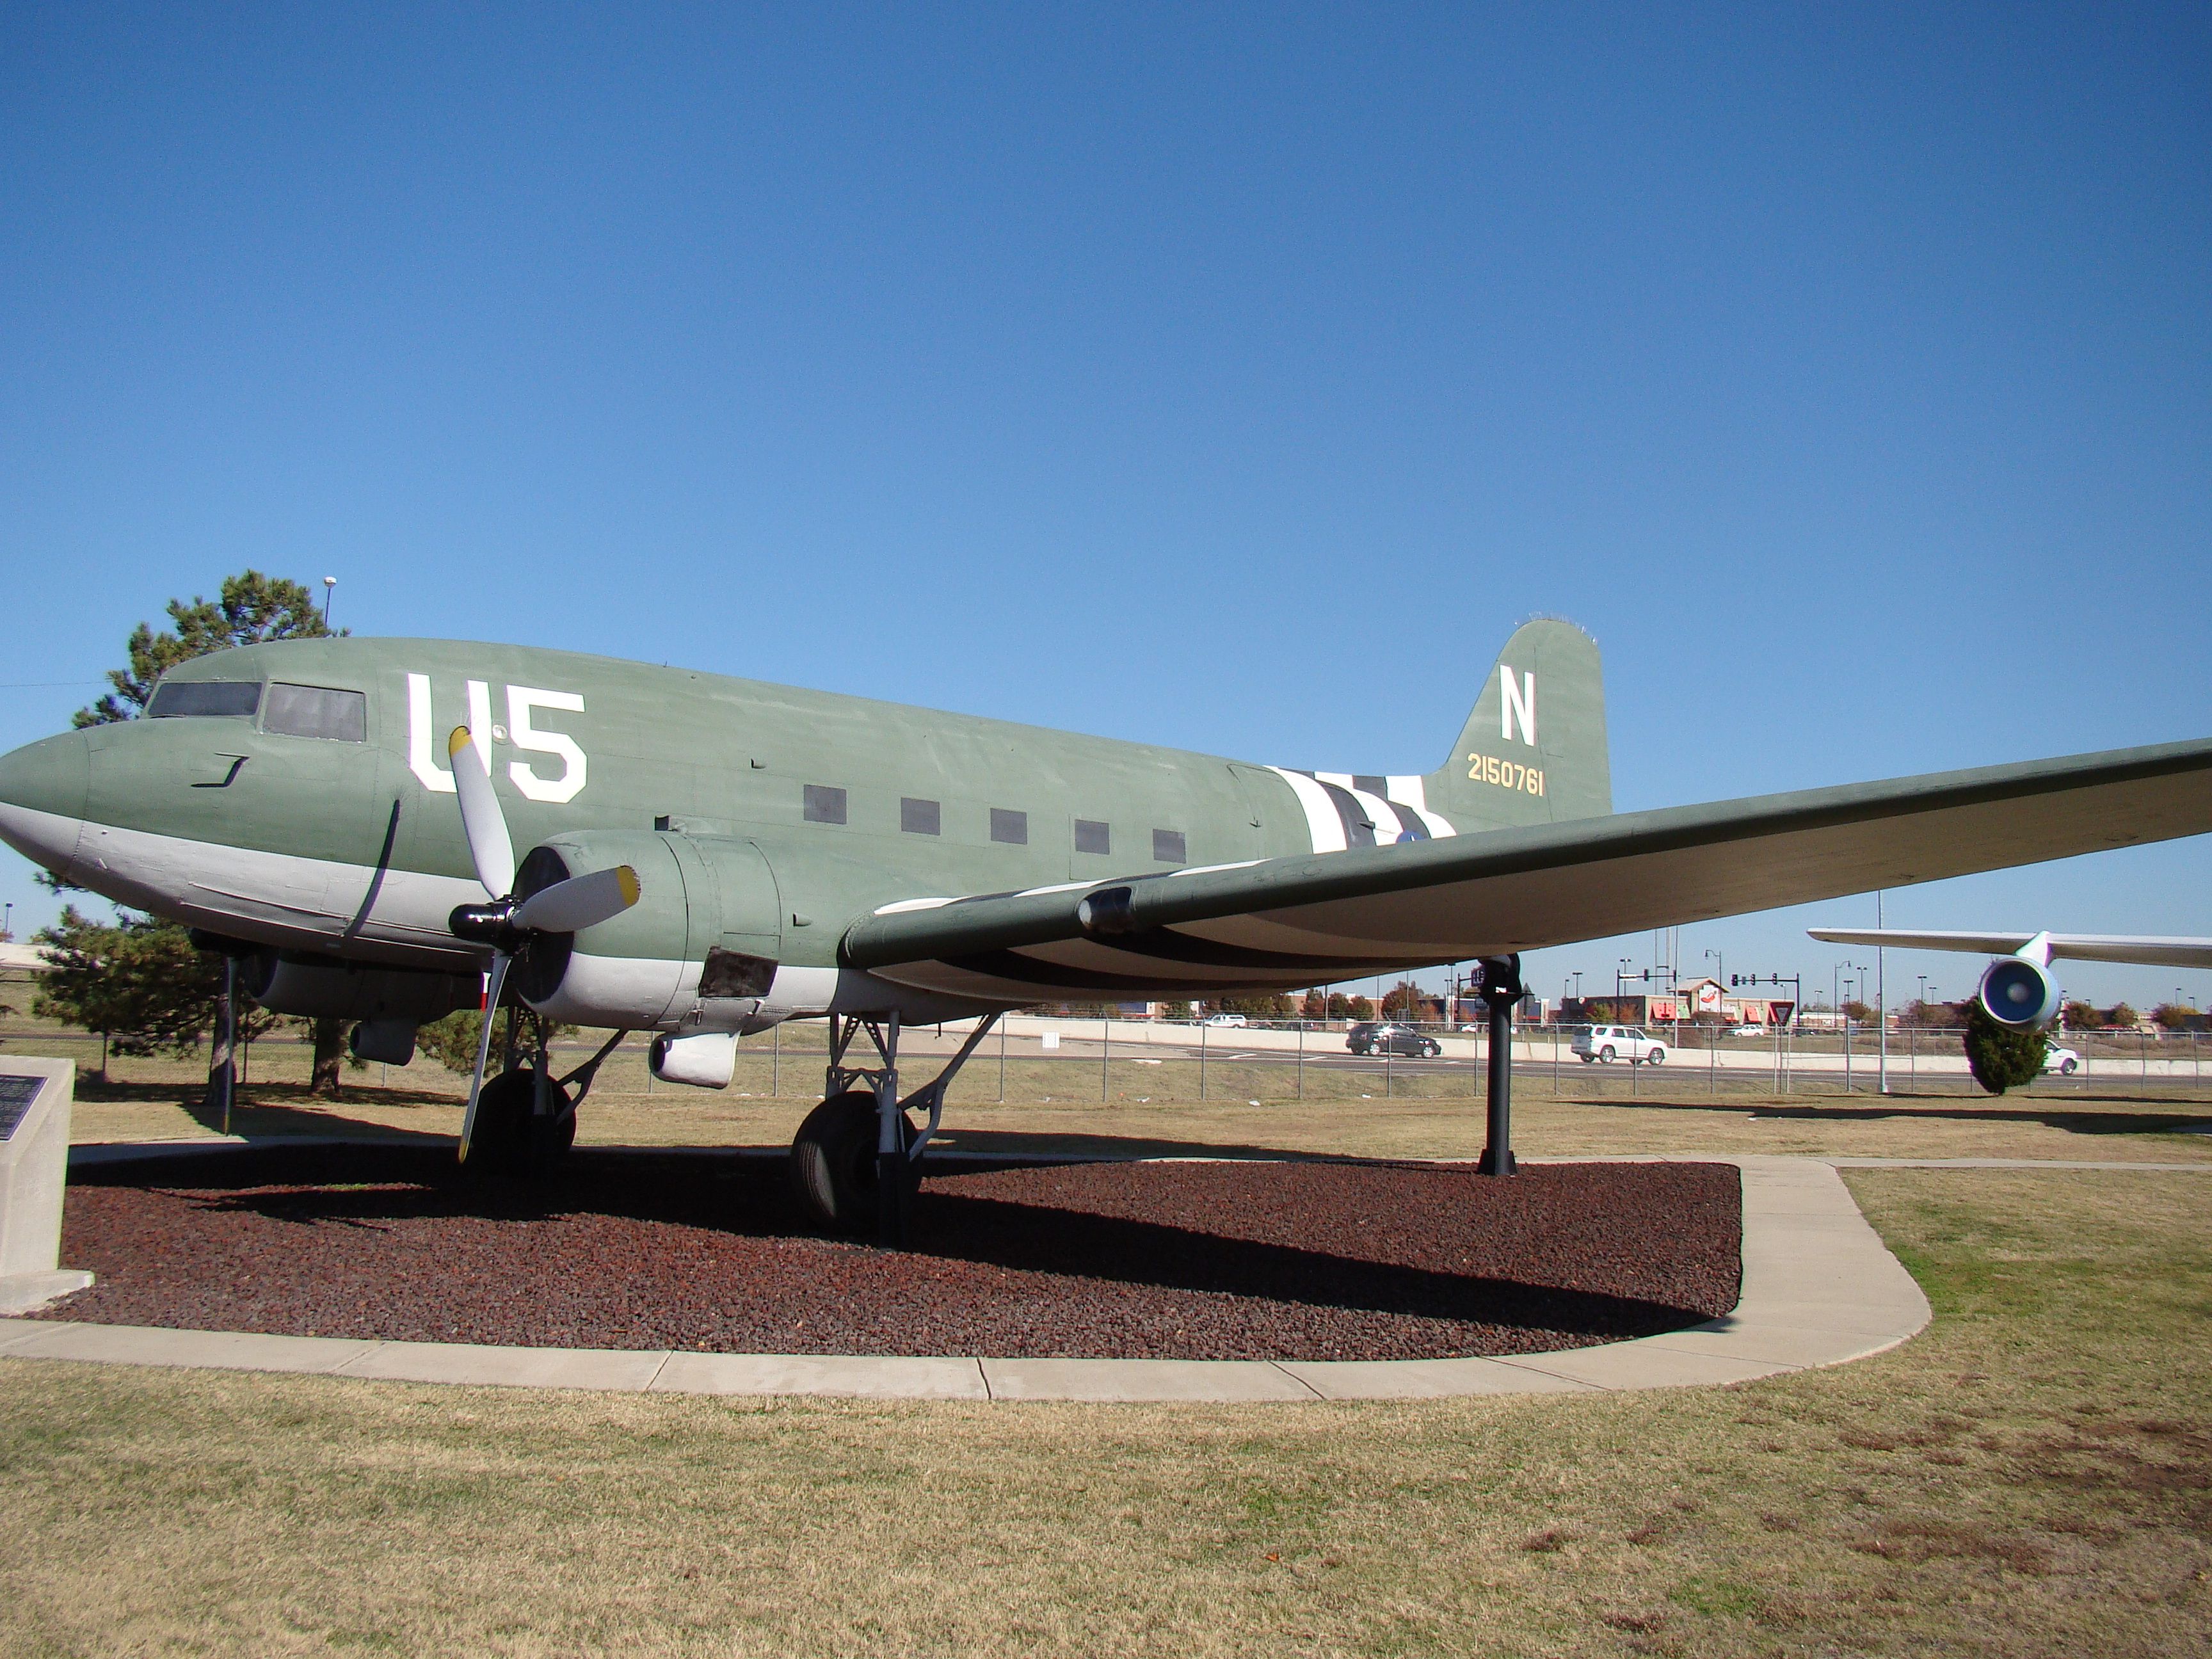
(2032, 1475)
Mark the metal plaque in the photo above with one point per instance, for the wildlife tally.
(16, 1094)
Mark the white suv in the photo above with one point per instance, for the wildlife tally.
(1611, 1042)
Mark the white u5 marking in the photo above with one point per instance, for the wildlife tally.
(522, 699)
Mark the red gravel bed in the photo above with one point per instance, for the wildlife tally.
(1228, 1261)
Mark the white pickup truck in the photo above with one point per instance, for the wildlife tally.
(1611, 1043)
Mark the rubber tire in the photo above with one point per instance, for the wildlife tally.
(1606, 1055)
(833, 1160)
(1432, 1051)
(502, 1142)
(2066, 1070)
(1656, 1056)
(1589, 1060)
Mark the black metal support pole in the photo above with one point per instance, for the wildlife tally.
(229, 1036)
(1501, 989)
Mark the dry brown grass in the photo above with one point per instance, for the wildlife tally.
(2113, 1124)
(2032, 1476)
(1062, 1103)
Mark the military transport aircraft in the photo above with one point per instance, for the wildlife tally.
(709, 856)
(2017, 989)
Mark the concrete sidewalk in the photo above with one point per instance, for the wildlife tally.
(1819, 1288)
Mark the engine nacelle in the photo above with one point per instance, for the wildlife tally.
(707, 1061)
(323, 988)
(705, 934)
(2018, 992)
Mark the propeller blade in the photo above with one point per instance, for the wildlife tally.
(499, 961)
(581, 901)
(481, 821)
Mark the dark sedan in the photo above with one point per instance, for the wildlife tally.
(1372, 1038)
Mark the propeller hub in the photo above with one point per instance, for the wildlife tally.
(487, 924)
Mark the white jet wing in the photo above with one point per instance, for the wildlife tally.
(2147, 949)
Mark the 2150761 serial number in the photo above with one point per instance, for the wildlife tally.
(1505, 774)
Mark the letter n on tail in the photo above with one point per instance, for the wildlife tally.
(1517, 705)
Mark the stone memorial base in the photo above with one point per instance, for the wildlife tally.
(35, 1097)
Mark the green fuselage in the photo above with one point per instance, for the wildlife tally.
(298, 794)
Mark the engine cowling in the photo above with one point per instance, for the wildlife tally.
(2019, 993)
(706, 930)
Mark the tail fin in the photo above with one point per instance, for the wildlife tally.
(1534, 750)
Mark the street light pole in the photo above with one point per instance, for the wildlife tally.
(330, 584)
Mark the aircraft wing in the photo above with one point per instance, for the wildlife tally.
(2147, 950)
(1287, 923)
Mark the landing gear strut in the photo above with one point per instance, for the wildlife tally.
(857, 1158)
(1501, 989)
(525, 1117)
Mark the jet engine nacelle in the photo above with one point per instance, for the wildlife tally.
(700, 946)
(285, 982)
(2018, 992)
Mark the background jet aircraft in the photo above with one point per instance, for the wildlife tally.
(707, 856)
(2018, 990)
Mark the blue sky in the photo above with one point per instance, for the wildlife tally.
(1228, 377)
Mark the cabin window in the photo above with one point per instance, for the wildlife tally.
(1168, 848)
(825, 804)
(316, 711)
(918, 817)
(182, 699)
(1091, 836)
(1011, 827)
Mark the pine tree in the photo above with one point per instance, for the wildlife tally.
(145, 957)
(253, 608)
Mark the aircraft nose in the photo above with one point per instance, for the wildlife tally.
(42, 795)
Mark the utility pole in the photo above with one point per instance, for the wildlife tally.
(1881, 994)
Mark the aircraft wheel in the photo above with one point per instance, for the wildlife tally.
(510, 1139)
(833, 1160)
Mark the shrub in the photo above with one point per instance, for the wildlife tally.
(2000, 1057)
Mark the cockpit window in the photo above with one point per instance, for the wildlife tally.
(180, 699)
(316, 711)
